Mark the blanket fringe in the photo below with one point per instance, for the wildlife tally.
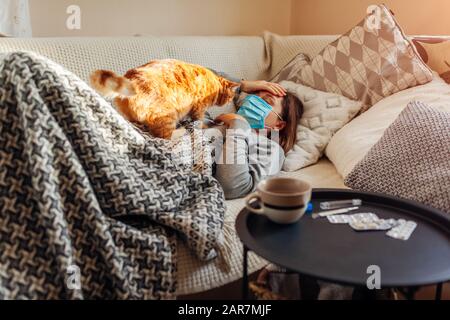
(224, 249)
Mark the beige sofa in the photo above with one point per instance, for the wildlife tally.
(243, 57)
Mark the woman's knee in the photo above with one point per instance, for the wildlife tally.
(232, 188)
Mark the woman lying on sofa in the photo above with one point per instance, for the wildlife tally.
(256, 137)
(253, 151)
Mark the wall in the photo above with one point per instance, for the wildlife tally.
(162, 17)
(230, 17)
(429, 17)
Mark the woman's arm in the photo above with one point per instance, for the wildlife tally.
(262, 85)
(250, 86)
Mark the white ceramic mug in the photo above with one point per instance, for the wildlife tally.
(282, 200)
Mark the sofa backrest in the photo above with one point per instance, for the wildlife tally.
(241, 56)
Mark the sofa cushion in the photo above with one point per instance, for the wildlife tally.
(240, 56)
(435, 52)
(368, 63)
(324, 113)
(282, 49)
(411, 160)
(292, 70)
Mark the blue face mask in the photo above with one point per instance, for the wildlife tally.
(255, 110)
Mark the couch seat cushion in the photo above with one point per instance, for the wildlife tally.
(196, 276)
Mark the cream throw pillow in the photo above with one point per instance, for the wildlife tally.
(324, 114)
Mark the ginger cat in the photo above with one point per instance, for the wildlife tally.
(162, 92)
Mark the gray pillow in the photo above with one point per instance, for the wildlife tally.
(411, 160)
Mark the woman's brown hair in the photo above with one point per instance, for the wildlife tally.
(292, 113)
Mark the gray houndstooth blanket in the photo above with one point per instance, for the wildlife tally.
(90, 207)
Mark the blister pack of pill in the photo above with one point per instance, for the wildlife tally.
(369, 221)
(347, 218)
(403, 230)
(379, 224)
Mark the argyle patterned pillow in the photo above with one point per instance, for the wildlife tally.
(371, 61)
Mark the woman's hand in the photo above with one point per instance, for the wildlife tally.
(227, 118)
(261, 85)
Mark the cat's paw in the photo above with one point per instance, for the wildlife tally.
(178, 133)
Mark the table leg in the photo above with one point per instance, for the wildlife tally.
(410, 292)
(245, 274)
(364, 293)
(309, 288)
(438, 295)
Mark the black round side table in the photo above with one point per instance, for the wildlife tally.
(336, 253)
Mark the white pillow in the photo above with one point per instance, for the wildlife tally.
(324, 113)
(350, 144)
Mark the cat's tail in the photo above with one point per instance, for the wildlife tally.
(111, 85)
